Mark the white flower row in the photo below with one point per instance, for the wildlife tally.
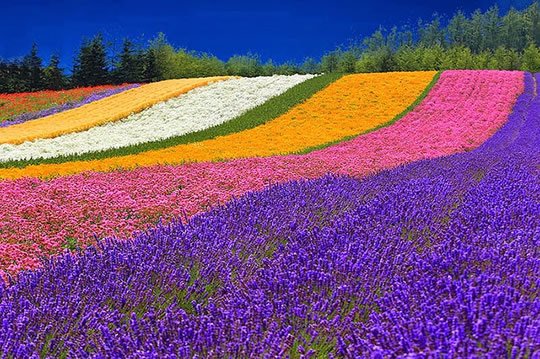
(199, 109)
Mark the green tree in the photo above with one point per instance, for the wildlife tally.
(376, 61)
(458, 57)
(210, 65)
(130, 67)
(514, 30)
(150, 68)
(288, 68)
(432, 57)
(33, 66)
(532, 15)
(54, 77)
(268, 68)
(492, 28)
(90, 67)
(164, 55)
(431, 34)
(310, 66)
(457, 29)
(504, 59)
(408, 58)
(246, 65)
(330, 62)
(531, 59)
(347, 62)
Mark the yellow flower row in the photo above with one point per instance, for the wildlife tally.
(350, 106)
(110, 109)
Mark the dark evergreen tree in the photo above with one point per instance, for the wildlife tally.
(90, 68)
(54, 78)
(32, 70)
(130, 67)
(150, 66)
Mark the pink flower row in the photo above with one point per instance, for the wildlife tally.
(41, 218)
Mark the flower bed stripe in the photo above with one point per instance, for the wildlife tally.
(110, 109)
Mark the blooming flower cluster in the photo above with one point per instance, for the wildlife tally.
(434, 259)
(461, 112)
(112, 108)
(13, 105)
(196, 110)
(98, 95)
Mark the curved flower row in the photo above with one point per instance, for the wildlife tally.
(436, 259)
(64, 106)
(461, 112)
(109, 109)
(12, 105)
(348, 107)
(196, 110)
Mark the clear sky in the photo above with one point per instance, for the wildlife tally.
(280, 30)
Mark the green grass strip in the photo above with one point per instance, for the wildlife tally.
(411, 107)
(257, 116)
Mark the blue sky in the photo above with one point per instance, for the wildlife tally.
(280, 30)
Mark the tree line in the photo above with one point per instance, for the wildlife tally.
(480, 40)
(133, 64)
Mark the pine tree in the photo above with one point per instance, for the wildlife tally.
(130, 67)
(32, 65)
(54, 78)
(150, 67)
(90, 68)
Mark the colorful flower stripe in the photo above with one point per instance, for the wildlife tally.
(12, 105)
(66, 106)
(110, 109)
(461, 112)
(350, 106)
(435, 259)
(194, 111)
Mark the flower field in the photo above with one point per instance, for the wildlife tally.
(369, 215)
